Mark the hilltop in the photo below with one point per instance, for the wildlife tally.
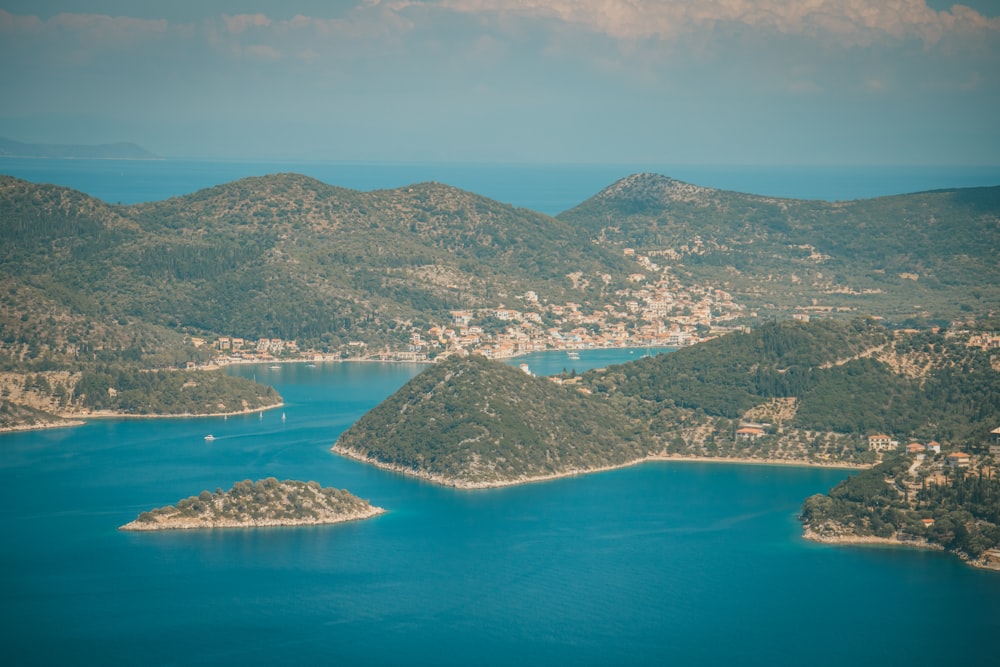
(914, 257)
(471, 422)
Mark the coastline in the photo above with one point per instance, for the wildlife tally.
(64, 423)
(179, 415)
(470, 485)
(983, 563)
(195, 524)
(80, 419)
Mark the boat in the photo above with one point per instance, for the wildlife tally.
(209, 438)
(274, 367)
(282, 416)
(573, 355)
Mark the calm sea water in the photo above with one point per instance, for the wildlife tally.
(663, 563)
(549, 189)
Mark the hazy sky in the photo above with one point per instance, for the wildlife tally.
(807, 82)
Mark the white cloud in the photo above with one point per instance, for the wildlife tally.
(240, 22)
(850, 22)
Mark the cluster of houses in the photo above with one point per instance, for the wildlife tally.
(648, 313)
(880, 442)
(262, 349)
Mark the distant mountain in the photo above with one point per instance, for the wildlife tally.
(117, 151)
(918, 256)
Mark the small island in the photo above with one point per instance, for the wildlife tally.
(267, 502)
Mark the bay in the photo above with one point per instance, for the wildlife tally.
(659, 563)
(548, 189)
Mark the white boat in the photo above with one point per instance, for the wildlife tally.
(573, 355)
(282, 416)
(209, 437)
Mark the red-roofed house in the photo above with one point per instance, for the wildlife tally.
(958, 460)
(749, 433)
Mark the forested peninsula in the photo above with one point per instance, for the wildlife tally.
(267, 502)
(790, 392)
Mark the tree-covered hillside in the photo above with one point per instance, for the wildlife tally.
(827, 377)
(476, 422)
(929, 255)
(792, 391)
(84, 283)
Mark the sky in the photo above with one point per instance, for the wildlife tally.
(712, 82)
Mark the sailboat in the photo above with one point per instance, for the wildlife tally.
(282, 416)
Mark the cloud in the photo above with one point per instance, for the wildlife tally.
(848, 22)
(240, 22)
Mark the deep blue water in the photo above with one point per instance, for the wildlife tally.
(549, 189)
(663, 563)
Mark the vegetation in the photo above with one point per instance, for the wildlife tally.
(85, 285)
(475, 422)
(959, 512)
(132, 391)
(267, 502)
(814, 391)
(839, 381)
(913, 258)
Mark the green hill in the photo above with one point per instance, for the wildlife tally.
(473, 422)
(791, 391)
(929, 255)
(85, 284)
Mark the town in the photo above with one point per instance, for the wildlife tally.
(655, 310)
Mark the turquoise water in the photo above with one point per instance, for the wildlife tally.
(663, 563)
(549, 189)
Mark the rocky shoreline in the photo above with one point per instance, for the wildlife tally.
(985, 563)
(526, 479)
(79, 418)
(260, 504)
(178, 523)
